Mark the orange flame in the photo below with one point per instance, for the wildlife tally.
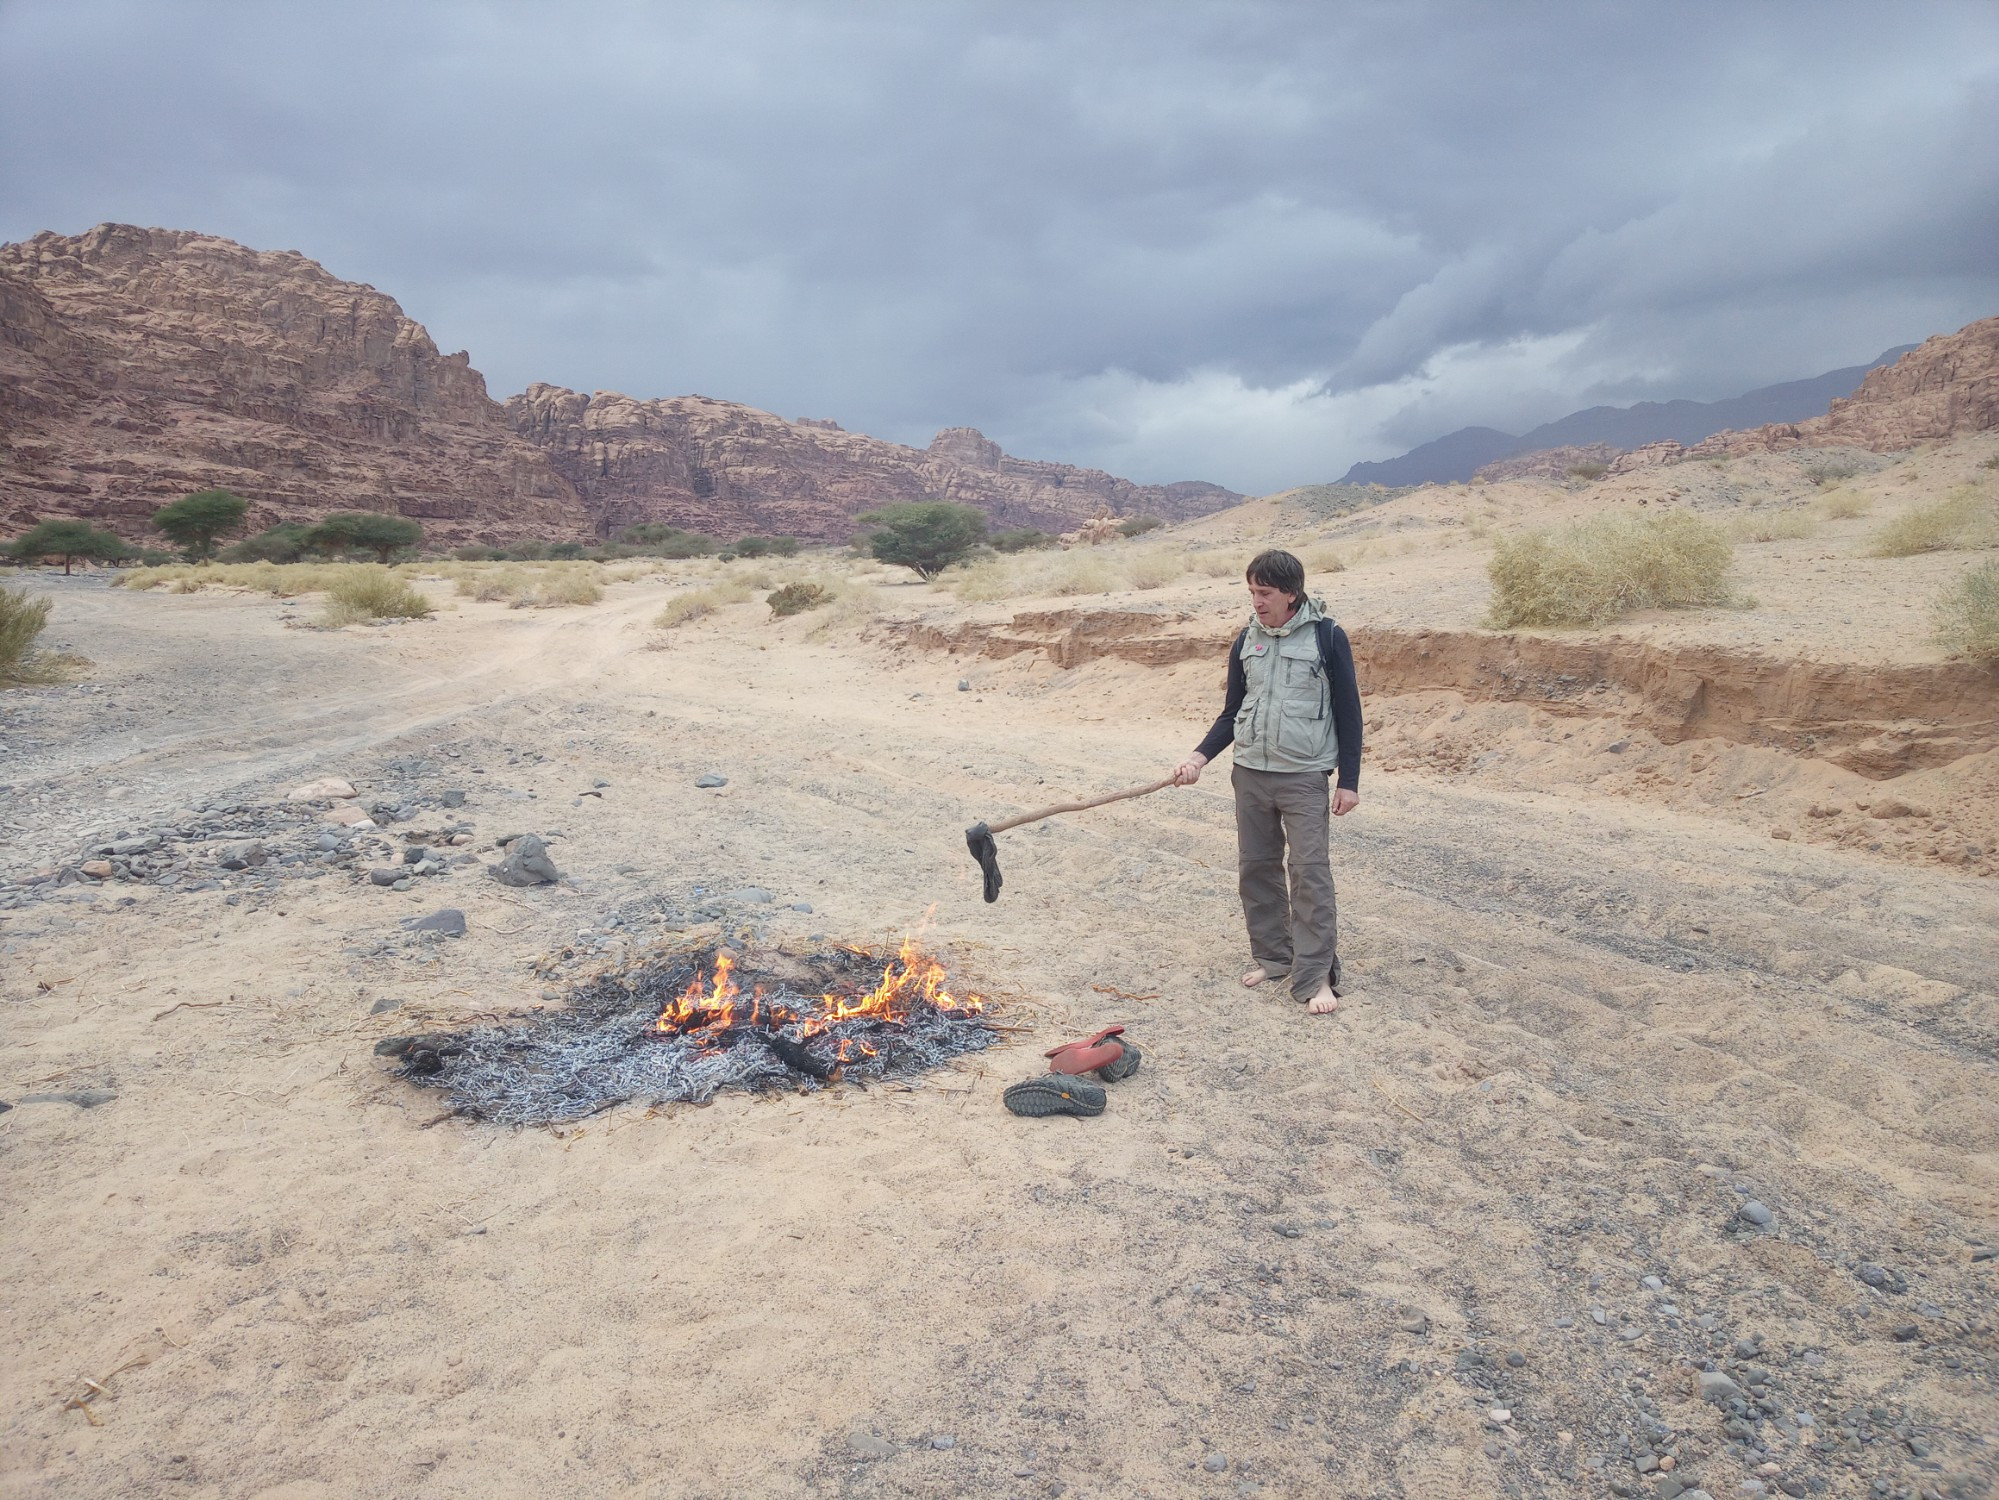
(910, 979)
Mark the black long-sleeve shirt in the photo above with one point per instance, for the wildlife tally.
(1346, 707)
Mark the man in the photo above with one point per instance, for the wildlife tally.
(1293, 715)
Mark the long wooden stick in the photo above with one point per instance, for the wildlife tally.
(1049, 812)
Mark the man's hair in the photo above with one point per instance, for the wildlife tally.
(1277, 570)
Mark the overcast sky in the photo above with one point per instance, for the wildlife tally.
(1242, 242)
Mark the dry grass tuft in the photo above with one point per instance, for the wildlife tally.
(1772, 526)
(1963, 519)
(695, 603)
(368, 591)
(1594, 570)
(1966, 615)
(21, 620)
(1844, 505)
(1082, 570)
(556, 588)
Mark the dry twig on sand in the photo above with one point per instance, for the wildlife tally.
(1397, 1102)
(92, 1389)
(1111, 989)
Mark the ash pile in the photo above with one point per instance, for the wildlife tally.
(682, 1029)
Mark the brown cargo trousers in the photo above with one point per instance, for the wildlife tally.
(1282, 820)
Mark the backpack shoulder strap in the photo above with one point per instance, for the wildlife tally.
(1323, 628)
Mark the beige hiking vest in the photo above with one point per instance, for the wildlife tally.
(1286, 719)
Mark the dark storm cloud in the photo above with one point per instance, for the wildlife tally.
(1247, 242)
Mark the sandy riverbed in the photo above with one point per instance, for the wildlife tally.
(1293, 1258)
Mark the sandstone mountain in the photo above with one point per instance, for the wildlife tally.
(137, 365)
(727, 469)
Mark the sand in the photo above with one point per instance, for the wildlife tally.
(1589, 1023)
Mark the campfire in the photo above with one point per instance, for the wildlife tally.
(686, 1027)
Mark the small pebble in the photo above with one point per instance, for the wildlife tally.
(1755, 1213)
(943, 1442)
(1214, 1463)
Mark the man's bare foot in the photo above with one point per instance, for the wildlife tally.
(1324, 1003)
(1254, 977)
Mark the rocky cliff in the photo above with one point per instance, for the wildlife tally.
(137, 365)
(731, 470)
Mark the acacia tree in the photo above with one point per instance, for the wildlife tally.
(69, 539)
(194, 522)
(365, 531)
(925, 536)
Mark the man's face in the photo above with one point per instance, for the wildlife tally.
(1273, 606)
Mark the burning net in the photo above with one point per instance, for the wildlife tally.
(685, 1028)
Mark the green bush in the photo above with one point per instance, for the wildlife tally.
(1025, 539)
(661, 540)
(1139, 525)
(1967, 615)
(1963, 518)
(479, 554)
(364, 531)
(796, 598)
(372, 593)
(1825, 471)
(1594, 570)
(283, 543)
(767, 546)
(925, 536)
(69, 539)
(565, 551)
(194, 522)
(21, 619)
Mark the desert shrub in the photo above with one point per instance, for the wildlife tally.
(667, 541)
(21, 619)
(1844, 505)
(283, 543)
(1825, 471)
(767, 546)
(477, 553)
(1589, 473)
(1323, 560)
(1991, 463)
(1967, 615)
(558, 587)
(1771, 526)
(1597, 569)
(372, 592)
(1085, 570)
(1155, 569)
(1963, 518)
(1138, 525)
(796, 598)
(364, 531)
(152, 576)
(1220, 563)
(695, 603)
(1023, 539)
(565, 551)
(491, 584)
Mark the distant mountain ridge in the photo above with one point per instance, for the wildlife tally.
(1456, 456)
